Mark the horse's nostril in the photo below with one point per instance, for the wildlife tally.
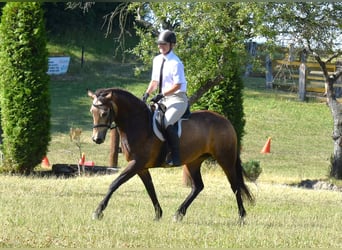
(98, 140)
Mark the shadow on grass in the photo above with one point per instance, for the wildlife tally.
(69, 101)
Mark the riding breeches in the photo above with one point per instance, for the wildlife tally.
(176, 106)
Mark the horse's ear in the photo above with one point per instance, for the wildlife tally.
(91, 94)
(109, 95)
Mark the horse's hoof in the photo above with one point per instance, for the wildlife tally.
(97, 216)
(242, 221)
(178, 217)
(156, 218)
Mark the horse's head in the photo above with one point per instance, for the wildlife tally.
(103, 115)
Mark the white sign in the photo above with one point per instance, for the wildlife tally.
(58, 65)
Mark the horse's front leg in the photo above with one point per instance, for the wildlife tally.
(126, 174)
(147, 180)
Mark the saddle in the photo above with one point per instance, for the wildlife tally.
(158, 110)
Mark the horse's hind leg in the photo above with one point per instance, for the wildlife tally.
(229, 166)
(146, 178)
(196, 187)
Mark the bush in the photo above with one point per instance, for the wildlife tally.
(226, 99)
(24, 86)
(252, 169)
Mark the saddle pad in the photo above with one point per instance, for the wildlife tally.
(158, 133)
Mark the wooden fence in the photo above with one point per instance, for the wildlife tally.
(286, 75)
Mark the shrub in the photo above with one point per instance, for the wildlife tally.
(24, 86)
(252, 169)
(226, 99)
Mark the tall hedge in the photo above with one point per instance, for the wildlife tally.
(24, 86)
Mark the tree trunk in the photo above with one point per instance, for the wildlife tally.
(336, 111)
(204, 88)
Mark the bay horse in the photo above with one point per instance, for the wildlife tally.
(204, 134)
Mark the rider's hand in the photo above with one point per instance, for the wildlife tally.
(145, 96)
(157, 98)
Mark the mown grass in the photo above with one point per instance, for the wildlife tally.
(300, 133)
(56, 212)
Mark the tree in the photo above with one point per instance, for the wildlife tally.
(24, 86)
(317, 29)
(211, 44)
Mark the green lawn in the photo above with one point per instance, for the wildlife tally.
(56, 212)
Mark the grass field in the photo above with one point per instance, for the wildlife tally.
(56, 212)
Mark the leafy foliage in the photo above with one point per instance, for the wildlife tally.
(252, 169)
(227, 99)
(25, 97)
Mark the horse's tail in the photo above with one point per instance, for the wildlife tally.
(240, 174)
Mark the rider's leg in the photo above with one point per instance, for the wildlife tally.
(173, 140)
(175, 108)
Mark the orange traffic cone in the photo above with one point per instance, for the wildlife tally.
(82, 160)
(45, 162)
(267, 148)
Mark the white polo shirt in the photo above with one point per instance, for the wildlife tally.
(173, 71)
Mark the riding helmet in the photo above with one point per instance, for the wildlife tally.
(167, 36)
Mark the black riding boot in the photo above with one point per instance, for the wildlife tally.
(173, 140)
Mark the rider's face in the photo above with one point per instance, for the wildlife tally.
(164, 48)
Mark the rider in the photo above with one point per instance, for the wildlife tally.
(168, 74)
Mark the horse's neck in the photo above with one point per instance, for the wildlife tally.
(134, 121)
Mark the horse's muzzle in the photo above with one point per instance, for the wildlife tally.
(98, 140)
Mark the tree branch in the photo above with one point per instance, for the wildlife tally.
(337, 54)
(319, 60)
(204, 88)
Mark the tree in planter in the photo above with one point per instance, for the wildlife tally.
(317, 28)
(24, 86)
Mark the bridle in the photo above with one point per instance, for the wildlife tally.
(110, 118)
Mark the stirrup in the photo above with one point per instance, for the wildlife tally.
(170, 162)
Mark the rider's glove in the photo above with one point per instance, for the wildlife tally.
(157, 98)
(145, 96)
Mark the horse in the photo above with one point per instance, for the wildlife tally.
(205, 134)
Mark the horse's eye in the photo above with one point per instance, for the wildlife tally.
(104, 113)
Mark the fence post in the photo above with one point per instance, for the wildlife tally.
(269, 76)
(252, 48)
(302, 77)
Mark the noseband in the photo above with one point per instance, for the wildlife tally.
(111, 115)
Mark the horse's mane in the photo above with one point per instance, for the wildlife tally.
(135, 101)
(128, 100)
